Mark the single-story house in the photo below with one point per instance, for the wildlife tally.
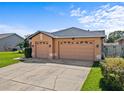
(9, 41)
(120, 41)
(70, 43)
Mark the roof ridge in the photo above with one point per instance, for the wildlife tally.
(69, 28)
(6, 33)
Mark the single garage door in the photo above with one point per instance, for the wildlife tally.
(42, 50)
(83, 50)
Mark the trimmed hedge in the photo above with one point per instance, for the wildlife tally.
(28, 52)
(113, 72)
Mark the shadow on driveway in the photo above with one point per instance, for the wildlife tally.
(60, 61)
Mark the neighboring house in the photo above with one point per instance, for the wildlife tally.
(9, 41)
(120, 41)
(70, 43)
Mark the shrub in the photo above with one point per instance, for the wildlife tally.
(113, 72)
(14, 49)
(28, 52)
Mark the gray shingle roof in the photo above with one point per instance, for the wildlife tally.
(5, 35)
(72, 32)
(77, 32)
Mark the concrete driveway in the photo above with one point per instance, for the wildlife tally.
(44, 75)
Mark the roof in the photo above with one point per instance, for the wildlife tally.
(122, 38)
(5, 35)
(72, 32)
(77, 32)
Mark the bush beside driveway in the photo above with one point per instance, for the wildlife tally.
(113, 72)
(109, 75)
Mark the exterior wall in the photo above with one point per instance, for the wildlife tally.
(121, 42)
(42, 37)
(54, 49)
(97, 46)
(10, 42)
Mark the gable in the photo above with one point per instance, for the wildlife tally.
(41, 37)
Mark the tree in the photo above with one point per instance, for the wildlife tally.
(114, 36)
(21, 46)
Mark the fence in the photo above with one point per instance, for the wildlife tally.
(113, 51)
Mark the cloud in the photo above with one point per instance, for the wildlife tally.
(109, 18)
(72, 6)
(55, 10)
(77, 12)
(21, 30)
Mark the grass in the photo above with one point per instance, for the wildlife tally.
(7, 58)
(92, 82)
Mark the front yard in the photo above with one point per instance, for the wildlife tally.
(92, 82)
(7, 58)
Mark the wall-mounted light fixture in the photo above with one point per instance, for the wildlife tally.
(73, 38)
(49, 45)
(97, 46)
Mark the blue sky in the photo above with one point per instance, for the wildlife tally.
(26, 18)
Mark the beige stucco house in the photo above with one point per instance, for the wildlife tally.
(70, 43)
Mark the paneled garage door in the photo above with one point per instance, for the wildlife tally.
(83, 50)
(42, 50)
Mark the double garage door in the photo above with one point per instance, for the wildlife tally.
(82, 50)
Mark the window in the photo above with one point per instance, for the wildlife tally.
(68, 42)
(86, 42)
(65, 42)
(40, 42)
(77, 42)
(91, 43)
(81, 42)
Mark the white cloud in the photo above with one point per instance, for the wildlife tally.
(107, 17)
(72, 6)
(21, 30)
(77, 12)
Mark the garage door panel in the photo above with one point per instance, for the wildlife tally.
(42, 50)
(77, 51)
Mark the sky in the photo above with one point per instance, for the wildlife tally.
(26, 18)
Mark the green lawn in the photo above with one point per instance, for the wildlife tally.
(92, 82)
(7, 58)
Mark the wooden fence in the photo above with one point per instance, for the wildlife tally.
(114, 51)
